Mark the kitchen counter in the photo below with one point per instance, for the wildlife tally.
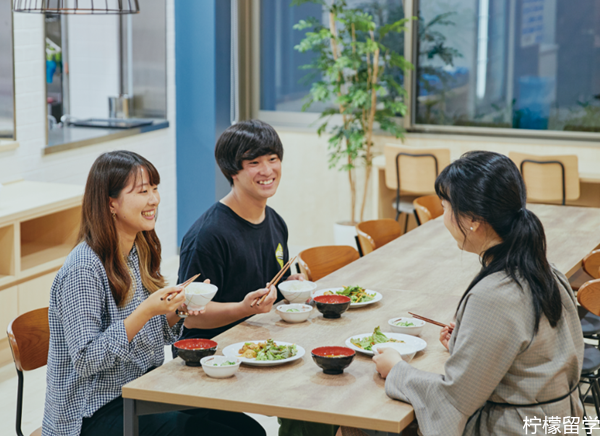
(67, 138)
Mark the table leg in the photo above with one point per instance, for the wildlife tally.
(130, 418)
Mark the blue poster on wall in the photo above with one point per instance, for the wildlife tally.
(532, 22)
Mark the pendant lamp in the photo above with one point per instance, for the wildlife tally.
(77, 7)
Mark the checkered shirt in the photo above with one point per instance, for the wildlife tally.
(90, 358)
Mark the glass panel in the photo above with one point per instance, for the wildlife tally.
(524, 64)
(6, 71)
(283, 85)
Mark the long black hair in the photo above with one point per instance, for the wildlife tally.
(488, 187)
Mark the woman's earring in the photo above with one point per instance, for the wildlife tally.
(114, 215)
(471, 227)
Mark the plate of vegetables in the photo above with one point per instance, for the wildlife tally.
(360, 296)
(264, 353)
(365, 341)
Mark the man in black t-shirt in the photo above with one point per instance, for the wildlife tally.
(239, 243)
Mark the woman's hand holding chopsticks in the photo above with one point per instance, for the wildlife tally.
(445, 334)
(184, 310)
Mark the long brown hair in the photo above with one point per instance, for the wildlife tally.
(109, 174)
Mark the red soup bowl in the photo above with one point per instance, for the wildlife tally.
(332, 306)
(193, 350)
(333, 360)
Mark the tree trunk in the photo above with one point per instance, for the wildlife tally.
(368, 168)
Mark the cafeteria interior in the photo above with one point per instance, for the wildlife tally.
(364, 154)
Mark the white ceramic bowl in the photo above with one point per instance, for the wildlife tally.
(208, 365)
(297, 291)
(410, 330)
(198, 294)
(407, 351)
(302, 315)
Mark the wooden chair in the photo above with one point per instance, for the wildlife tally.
(317, 262)
(428, 208)
(589, 298)
(376, 233)
(29, 338)
(549, 179)
(412, 173)
(590, 269)
(591, 264)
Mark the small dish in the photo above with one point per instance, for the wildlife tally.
(220, 366)
(333, 360)
(193, 350)
(332, 306)
(414, 330)
(297, 291)
(294, 313)
(407, 351)
(198, 294)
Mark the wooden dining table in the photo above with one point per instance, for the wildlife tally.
(423, 272)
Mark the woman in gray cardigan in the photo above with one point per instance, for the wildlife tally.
(516, 349)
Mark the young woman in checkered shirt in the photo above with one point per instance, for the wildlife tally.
(110, 313)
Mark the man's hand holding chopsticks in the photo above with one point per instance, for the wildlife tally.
(251, 300)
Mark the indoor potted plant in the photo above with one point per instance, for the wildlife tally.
(360, 73)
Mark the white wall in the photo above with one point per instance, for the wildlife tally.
(28, 161)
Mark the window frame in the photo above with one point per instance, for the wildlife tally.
(306, 121)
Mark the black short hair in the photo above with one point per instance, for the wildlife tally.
(245, 140)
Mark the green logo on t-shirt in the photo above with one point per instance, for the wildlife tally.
(279, 255)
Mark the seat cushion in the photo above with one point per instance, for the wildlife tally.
(590, 324)
(591, 359)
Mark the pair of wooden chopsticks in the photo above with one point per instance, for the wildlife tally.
(183, 285)
(422, 318)
(274, 282)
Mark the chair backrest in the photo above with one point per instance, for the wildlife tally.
(376, 233)
(317, 262)
(428, 207)
(549, 178)
(591, 264)
(589, 296)
(414, 167)
(29, 338)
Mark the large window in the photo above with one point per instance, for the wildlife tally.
(506, 64)
(283, 84)
(521, 64)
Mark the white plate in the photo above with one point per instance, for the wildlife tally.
(377, 298)
(232, 351)
(418, 343)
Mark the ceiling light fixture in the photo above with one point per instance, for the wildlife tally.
(77, 7)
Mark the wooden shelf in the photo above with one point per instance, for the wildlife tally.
(49, 238)
(7, 251)
(35, 254)
(39, 223)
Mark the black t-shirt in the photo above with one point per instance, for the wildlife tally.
(237, 256)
